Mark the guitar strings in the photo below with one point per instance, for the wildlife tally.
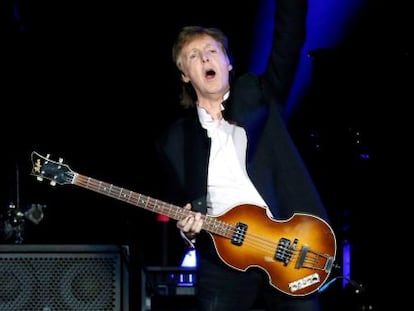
(311, 260)
(173, 211)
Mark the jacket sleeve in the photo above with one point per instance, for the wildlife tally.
(288, 38)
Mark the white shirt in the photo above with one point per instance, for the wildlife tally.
(228, 184)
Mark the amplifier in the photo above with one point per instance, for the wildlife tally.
(63, 277)
(168, 288)
(172, 289)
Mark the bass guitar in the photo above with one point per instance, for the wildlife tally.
(297, 253)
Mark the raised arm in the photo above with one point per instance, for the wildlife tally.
(289, 35)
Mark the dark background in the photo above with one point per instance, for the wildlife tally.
(93, 82)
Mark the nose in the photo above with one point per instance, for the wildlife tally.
(205, 58)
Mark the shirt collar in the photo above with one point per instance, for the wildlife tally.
(206, 120)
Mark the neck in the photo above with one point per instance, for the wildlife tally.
(213, 109)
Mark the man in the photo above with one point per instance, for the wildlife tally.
(233, 149)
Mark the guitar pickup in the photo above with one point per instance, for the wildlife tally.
(285, 249)
(239, 234)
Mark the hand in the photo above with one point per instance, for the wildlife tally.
(191, 224)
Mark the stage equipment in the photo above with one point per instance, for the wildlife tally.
(64, 277)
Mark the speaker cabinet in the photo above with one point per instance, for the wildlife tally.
(64, 278)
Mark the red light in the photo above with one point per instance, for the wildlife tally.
(163, 218)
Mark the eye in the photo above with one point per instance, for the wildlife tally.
(192, 56)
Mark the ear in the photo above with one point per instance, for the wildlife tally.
(184, 77)
(229, 65)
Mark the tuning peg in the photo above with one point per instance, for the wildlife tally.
(48, 155)
(60, 160)
(39, 178)
(53, 183)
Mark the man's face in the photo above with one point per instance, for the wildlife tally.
(205, 64)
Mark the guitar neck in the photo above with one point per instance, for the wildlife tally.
(128, 196)
(146, 202)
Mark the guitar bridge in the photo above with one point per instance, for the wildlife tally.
(285, 249)
(313, 260)
(239, 234)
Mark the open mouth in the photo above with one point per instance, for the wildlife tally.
(210, 74)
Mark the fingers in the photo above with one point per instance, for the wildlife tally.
(192, 223)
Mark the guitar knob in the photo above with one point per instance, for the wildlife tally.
(53, 183)
(39, 178)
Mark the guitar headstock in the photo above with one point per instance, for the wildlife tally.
(55, 171)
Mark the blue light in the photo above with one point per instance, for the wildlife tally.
(346, 263)
(328, 24)
(190, 259)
